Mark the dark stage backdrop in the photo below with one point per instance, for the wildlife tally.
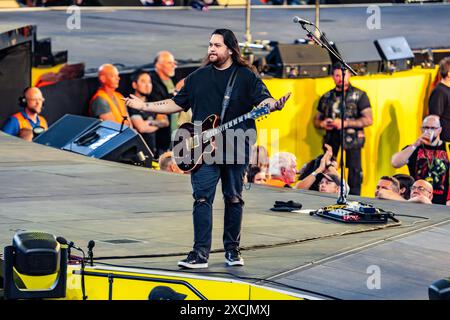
(15, 74)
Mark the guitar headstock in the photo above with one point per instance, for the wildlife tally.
(260, 112)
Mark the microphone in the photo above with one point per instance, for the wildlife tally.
(63, 241)
(302, 21)
(91, 246)
(71, 244)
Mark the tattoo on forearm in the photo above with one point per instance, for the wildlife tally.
(155, 106)
(160, 103)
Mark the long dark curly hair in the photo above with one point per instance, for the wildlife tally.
(232, 43)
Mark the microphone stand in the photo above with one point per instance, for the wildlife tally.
(83, 261)
(354, 211)
(125, 118)
(324, 43)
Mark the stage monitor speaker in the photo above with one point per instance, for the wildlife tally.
(65, 129)
(362, 56)
(396, 54)
(299, 61)
(110, 141)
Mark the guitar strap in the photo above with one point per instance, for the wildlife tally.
(228, 90)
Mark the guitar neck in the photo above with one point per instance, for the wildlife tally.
(254, 114)
(219, 129)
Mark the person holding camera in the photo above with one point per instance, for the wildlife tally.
(428, 159)
(358, 115)
(27, 123)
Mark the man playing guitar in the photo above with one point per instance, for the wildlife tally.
(204, 93)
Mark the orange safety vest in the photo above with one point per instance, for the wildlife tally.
(118, 112)
(24, 123)
(277, 183)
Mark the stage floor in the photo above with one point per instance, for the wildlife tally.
(133, 37)
(132, 211)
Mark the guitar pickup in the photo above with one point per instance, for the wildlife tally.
(192, 143)
(196, 142)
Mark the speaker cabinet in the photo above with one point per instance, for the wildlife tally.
(396, 54)
(299, 61)
(362, 56)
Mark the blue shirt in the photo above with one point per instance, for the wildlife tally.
(12, 127)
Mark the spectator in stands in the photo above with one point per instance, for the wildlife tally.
(282, 169)
(358, 116)
(428, 159)
(256, 175)
(388, 188)
(107, 103)
(157, 3)
(259, 157)
(331, 183)
(406, 182)
(167, 163)
(421, 192)
(28, 122)
(163, 88)
(145, 123)
(309, 173)
(258, 168)
(439, 103)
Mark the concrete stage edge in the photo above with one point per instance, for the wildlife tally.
(132, 211)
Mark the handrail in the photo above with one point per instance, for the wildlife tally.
(111, 277)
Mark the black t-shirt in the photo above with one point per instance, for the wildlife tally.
(150, 138)
(204, 90)
(431, 163)
(439, 104)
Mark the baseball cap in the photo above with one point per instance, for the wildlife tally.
(336, 179)
(165, 293)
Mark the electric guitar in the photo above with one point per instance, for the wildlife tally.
(192, 141)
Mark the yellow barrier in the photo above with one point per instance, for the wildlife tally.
(9, 4)
(230, 3)
(398, 101)
(38, 72)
